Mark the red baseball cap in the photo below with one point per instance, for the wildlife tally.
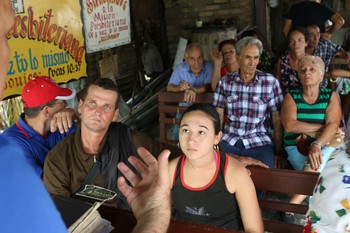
(42, 90)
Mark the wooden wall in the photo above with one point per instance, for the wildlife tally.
(181, 16)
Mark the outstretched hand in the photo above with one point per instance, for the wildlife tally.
(148, 195)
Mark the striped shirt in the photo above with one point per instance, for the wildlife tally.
(248, 107)
(311, 113)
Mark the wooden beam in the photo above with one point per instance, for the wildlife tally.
(260, 18)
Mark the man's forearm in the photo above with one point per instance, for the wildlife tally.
(155, 221)
(338, 21)
(173, 88)
(204, 88)
(340, 73)
(286, 27)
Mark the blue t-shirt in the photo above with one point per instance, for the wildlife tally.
(25, 205)
(34, 145)
(183, 72)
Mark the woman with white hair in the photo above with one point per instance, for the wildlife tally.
(311, 110)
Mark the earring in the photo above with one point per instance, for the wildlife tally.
(216, 147)
(178, 145)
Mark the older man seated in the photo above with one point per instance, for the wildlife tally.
(193, 76)
(250, 97)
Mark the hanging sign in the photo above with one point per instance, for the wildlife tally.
(47, 39)
(106, 24)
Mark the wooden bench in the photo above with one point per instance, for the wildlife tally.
(286, 182)
(169, 106)
(272, 180)
(124, 221)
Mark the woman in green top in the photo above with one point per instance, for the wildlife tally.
(309, 109)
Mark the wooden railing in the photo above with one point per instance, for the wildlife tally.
(169, 106)
(286, 182)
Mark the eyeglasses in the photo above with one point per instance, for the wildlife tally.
(305, 70)
(195, 59)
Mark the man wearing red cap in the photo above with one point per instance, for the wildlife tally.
(44, 110)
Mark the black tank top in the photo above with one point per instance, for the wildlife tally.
(212, 204)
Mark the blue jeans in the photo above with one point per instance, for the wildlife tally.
(264, 154)
(297, 160)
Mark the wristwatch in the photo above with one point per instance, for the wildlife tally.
(193, 89)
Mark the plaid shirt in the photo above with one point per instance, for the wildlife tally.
(326, 50)
(248, 107)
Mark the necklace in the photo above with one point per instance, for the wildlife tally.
(310, 100)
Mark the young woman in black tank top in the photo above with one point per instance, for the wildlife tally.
(210, 187)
